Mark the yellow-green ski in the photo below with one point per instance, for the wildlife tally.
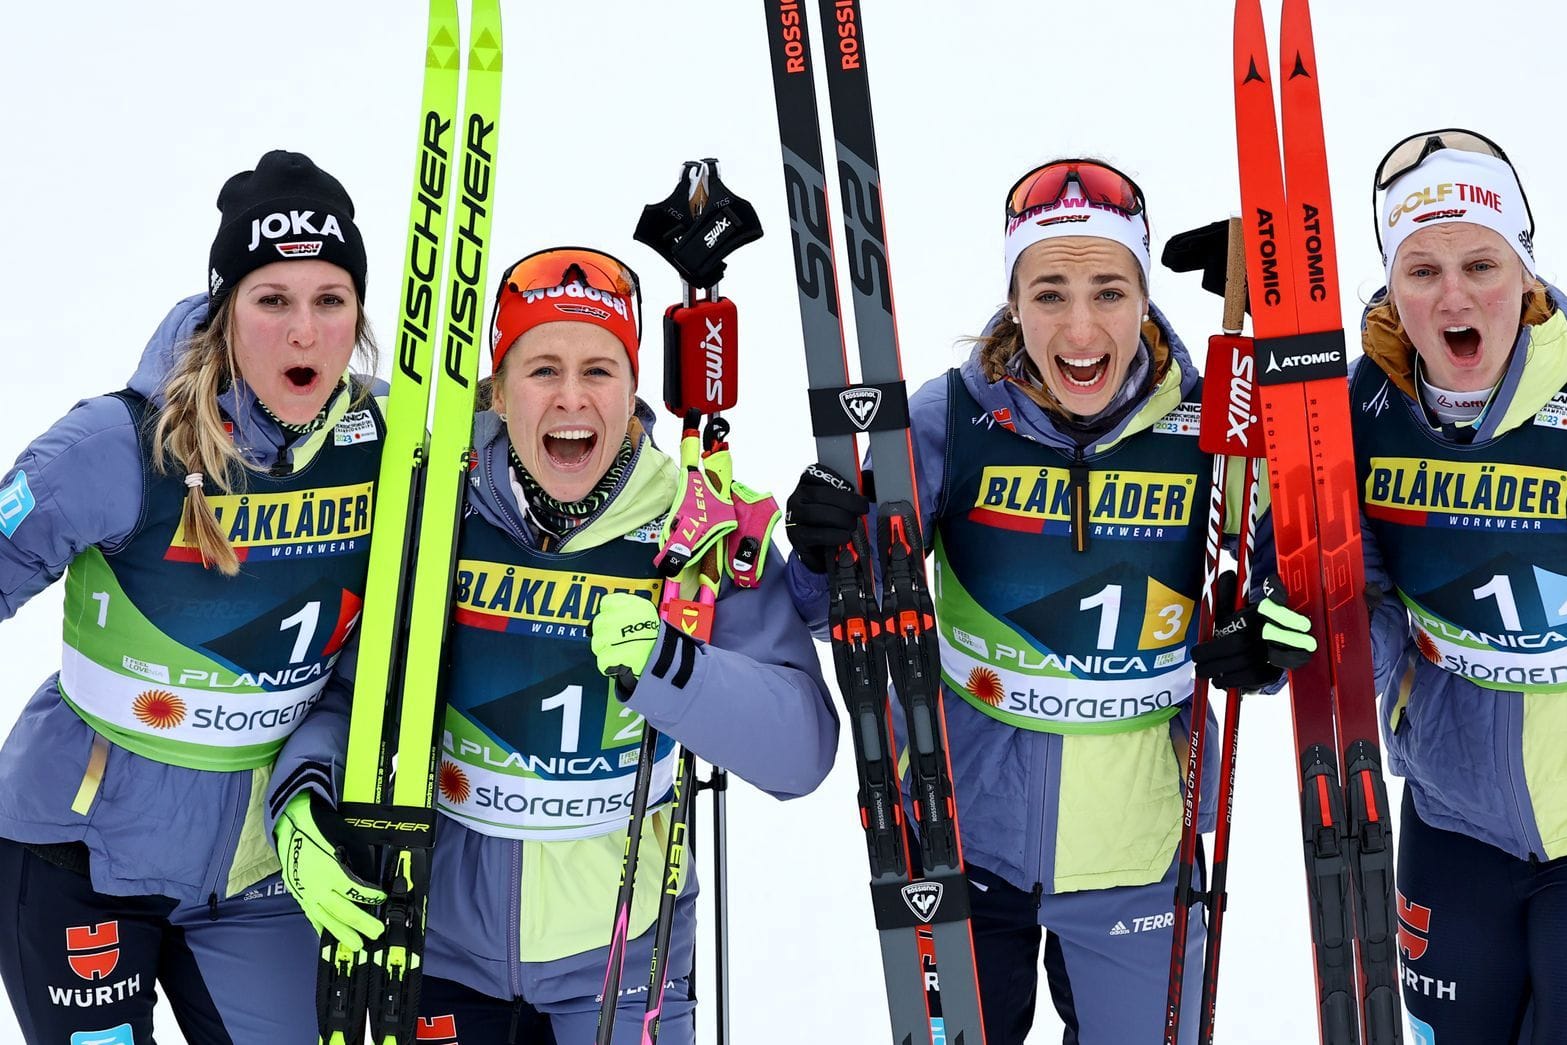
(387, 819)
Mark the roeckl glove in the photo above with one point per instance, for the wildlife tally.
(622, 635)
(1250, 647)
(822, 515)
(328, 893)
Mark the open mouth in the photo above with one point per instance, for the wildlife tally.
(301, 377)
(1462, 342)
(570, 448)
(1086, 374)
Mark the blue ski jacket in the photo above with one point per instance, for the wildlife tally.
(515, 917)
(1480, 758)
(1057, 812)
(76, 492)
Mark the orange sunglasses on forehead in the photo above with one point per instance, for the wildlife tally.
(558, 266)
(567, 284)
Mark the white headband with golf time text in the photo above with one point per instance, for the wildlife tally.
(1073, 215)
(1456, 186)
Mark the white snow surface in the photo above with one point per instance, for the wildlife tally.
(124, 119)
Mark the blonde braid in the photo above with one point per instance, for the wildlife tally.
(190, 433)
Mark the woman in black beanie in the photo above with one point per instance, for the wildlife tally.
(212, 521)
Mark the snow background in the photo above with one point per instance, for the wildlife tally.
(123, 121)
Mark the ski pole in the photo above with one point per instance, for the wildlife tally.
(709, 573)
(1229, 431)
(694, 229)
(1218, 892)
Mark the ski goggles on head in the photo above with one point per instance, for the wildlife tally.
(571, 284)
(1413, 150)
(1107, 205)
(1098, 182)
(1410, 153)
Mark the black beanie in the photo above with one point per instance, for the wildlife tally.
(287, 209)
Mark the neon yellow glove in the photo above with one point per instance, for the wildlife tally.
(623, 634)
(328, 892)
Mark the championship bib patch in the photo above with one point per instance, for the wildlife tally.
(357, 426)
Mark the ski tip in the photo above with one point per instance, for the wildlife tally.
(1251, 44)
(1295, 35)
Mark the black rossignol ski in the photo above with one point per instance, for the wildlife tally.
(1292, 271)
(932, 998)
(385, 820)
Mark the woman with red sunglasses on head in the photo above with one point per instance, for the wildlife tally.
(1065, 648)
(1460, 405)
(558, 656)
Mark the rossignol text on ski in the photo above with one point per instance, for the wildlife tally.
(926, 944)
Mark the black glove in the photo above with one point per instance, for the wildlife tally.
(1208, 249)
(822, 515)
(1248, 649)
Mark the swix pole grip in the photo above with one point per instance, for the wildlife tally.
(701, 358)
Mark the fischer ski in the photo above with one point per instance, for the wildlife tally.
(1301, 364)
(926, 943)
(385, 819)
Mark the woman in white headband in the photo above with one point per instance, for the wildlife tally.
(1065, 496)
(1460, 443)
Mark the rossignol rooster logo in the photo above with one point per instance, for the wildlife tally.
(923, 898)
(159, 709)
(453, 783)
(861, 404)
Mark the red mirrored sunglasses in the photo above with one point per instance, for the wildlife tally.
(1098, 182)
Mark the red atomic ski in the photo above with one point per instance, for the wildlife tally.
(1293, 275)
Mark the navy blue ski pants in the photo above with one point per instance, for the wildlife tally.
(80, 966)
(1106, 961)
(1483, 937)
